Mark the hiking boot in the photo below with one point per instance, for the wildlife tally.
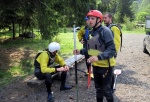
(92, 76)
(65, 87)
(50, 97)
(113, 90)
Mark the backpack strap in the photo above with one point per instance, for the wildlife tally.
(35, 62)
(121, 41)
(111, 25)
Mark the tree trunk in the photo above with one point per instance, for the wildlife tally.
(13, 30)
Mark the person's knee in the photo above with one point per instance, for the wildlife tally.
(64, 73)
(48, 77)
(99, 93)
(98, 90)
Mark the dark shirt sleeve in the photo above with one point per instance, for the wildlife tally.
(83, 51)
(109, 45)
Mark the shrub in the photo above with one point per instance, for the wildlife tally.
(128, 24)
(141, 17)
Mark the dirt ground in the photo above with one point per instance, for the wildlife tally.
(133, 85)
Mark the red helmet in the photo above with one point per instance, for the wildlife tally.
(95, 13)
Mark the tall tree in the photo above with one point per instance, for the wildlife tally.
(123, 9)
(134, 7)
(8, 14)
(27, 11)
(48, 17)
(145, 6)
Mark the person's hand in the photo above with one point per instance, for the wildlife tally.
(76, 52)
(61, 69)
(66, 68)
(92, 59)
(82, 41)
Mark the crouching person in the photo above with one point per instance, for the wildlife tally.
(42, 70)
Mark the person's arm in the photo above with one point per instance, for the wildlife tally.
(62, 63)
(83, 51)
(81, 33)
(43, 60)
(109, 44)
(59, 60)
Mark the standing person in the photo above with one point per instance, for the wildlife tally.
(108, 20)
(101, 49)
(83, 36)
(42, 70)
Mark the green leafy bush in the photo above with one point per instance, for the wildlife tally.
(141, 17)
(128, 24)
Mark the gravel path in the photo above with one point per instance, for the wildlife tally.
(133, 85)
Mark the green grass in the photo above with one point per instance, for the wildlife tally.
(140, 30)
(66, 41)
(134, 31)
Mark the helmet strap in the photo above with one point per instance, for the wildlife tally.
(52, 54)
(96, 22)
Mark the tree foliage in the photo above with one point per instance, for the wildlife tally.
(145, 6)
(141, 17)
(143, 10)
(120, 8)
(134, 7)
(50, 15)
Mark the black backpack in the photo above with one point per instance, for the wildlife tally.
(35, 62)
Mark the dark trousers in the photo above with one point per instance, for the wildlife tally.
(48, 79)
(87, 64)
(103, 83)
(86, 56)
